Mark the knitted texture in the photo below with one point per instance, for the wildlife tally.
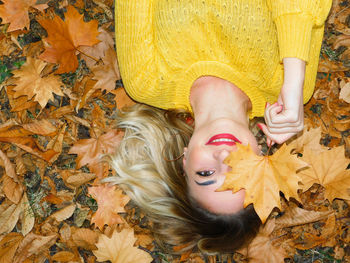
(164, 46)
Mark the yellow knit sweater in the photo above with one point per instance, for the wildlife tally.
(164, 46)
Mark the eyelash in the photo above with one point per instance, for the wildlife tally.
(205, 173)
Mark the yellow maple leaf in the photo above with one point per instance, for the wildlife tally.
(263, 177)
(328, 169)
(15, 12)
(30, 83)
(111, 202)
(120, 248)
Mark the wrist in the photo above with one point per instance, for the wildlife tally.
(294, 71)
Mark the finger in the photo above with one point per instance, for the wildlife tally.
(278, 138)
(290, 129)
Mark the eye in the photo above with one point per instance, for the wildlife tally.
(205, 173)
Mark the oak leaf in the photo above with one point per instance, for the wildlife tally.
(15, 12)
(111, 202)
(65, 38)
(328, 169)
(263, 177)
(30, 83)
(120, 248)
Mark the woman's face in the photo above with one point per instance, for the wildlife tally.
(204, 167)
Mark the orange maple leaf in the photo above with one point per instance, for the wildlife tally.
(120, 248)
(15, 12)
(263, 177)
(30, 83)
(328, 169)
(65, 38)
(111, 202)
(90, 150)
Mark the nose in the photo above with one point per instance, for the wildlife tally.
(221, 154)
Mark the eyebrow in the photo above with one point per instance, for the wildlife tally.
(206, 182)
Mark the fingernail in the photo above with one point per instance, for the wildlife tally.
(260, 126)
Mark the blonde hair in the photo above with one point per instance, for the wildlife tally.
(150, 171)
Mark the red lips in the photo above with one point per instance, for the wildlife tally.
(219, 139)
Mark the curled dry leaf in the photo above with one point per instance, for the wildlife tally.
(329, 170)
(15, 12)
(120, 248)
(111, 202)
(66, 37)
(64, 213)
(26, 218)
(63, 256)
(30, 83)
(263, 177)
(9, 216)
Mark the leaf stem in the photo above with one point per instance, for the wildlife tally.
(93, 58)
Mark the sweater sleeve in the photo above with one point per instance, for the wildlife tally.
(135, 48)
(295, 20)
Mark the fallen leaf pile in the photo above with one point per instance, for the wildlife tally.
(59, 94)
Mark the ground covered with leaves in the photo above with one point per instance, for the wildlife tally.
(59, 93)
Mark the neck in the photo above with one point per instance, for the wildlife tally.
(213, 98)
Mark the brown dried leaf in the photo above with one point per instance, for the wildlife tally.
(12, 187)
(329, 170)
(120, 248)
(89, 151)
(8, 246)
(111, 202)
(121, 98)
(26, 218)
(84, 238)
(30, 83)
(33, 244)
(15, 12)
(63, 256)
(97, 51)
(262, 250)
(64, 213)
(345, 93)
(295, 216)
(107, 73)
